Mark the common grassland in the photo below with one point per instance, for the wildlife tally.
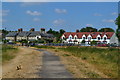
(105, 60)
(8, 52)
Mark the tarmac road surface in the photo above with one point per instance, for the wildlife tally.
(52, 67)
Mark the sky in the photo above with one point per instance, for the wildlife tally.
(60, 0)
(58, 15)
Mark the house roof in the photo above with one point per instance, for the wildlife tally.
(23, 34)
(11, 34)
(46, 35)
(34, 33)
(29, 34)
(93, 34)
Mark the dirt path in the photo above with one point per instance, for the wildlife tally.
(52, 67)
(30, 61)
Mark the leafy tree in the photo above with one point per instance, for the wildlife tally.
(4, 33)
(93, 42)
(117, 22)
(88, 29)
(62, 31)
(57, 34)
(83, 41)
(23, 41)
(50, 31)
(106, 30)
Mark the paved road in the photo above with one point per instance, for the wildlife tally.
(52, 67)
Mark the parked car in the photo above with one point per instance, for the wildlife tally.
(113, 45)
(102, 45)
(32, 44)
(85, 45)
(10, 43)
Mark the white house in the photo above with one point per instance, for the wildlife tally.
(100, 37)
(35, 35)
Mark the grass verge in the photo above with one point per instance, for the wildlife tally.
(8, 52)
(105, 60)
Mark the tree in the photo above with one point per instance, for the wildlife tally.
(62, 31)
(93, 42)
(106, 30)
(57, 34)
(83, 41)
(117, 22)
(88, 29)
(50, 31)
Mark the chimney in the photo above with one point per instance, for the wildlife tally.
(20, 30)
(32, 29)
(42, 30)
(77, 31)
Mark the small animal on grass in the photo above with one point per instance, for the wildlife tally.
(19, 67)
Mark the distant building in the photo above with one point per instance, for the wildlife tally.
(35, 35)
(22, 35)
(28, 35)
(11, 36)
(100, 37)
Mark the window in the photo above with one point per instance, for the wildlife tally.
(75, 37)
(83, 38)
(63, 37)
(70, 37)
(105, 38)
(98, 38)
(89, 38)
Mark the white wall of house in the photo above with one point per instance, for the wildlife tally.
(114, 39)
(34, 37)
(10, 38)
(21, 38)
(88, 38)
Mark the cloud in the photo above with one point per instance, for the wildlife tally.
(97, 14)
(36, 19)
(33, 13)
(60, 10)
(4, 12)
(114, 13)
(89, 25)
(58, 22)
(109, 21)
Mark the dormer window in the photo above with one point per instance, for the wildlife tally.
(105, 38)
(89, 38)
(83, 38)
(75, 37)
(70, 37)
(98, 38)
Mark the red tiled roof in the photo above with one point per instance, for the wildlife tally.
(93, 34)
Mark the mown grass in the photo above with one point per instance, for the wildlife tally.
(105, 60)
(8, 52)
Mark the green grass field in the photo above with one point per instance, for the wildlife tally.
(105, 60)
(8, 52)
